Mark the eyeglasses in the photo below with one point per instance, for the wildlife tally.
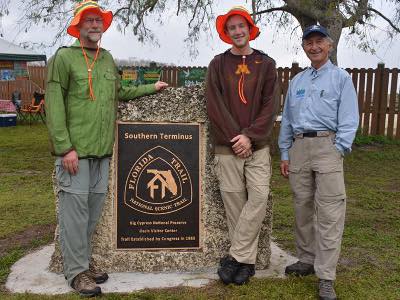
(92, 20)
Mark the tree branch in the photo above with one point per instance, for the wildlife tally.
(269, 10)
(309, 9)
(194, 12)
(395, 28)
(358, 14)
(253, 8)
(179, 7)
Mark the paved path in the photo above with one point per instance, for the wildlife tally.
(31, 275)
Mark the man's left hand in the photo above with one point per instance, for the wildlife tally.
(160, 85)
(241, 146)
(285, 168)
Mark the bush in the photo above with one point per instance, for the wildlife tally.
(374, 140)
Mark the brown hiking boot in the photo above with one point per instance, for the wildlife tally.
(96, 274)
(85, 286)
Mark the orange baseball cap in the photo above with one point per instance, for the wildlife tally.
(86, 6)
(236, 10)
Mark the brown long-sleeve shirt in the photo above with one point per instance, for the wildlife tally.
(228, 114)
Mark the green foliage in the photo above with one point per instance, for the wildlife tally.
(374, 139)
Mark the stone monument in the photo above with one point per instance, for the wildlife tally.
(163, 150)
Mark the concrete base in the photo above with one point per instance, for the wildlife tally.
(31, 275)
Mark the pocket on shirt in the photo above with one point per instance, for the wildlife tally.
(327, 104)
(110, 76)
(110, 81)
(80, 88)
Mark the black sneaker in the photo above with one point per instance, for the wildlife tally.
(228, 269)
(326, 290)
(300, 269)
(244, 273)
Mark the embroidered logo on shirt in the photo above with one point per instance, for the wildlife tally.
(300, 93)
(258, 61)
(242, 68)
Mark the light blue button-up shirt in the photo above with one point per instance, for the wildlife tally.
(318, 100)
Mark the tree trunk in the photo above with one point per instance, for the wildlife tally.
(334, 27)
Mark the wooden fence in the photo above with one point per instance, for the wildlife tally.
(378, 93)
(36, 82)
(38, 75)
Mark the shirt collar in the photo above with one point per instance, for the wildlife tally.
(77, 44)
(323, 68)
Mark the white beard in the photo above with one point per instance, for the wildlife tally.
(94, 37)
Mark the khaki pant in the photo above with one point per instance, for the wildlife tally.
(244, 185)
(316, 179)
(81, 200)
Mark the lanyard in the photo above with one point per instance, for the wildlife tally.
(90, 69)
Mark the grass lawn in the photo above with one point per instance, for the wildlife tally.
(369, 267)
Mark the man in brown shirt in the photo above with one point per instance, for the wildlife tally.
(239, 89)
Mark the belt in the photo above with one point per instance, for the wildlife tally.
(312, 134)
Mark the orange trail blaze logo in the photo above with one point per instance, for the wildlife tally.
(164, 178)
(242, 69)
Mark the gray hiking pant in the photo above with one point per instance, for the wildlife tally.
(81, 200)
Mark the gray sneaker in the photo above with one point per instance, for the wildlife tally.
(299, 269)
(85, 286)
(326, 290)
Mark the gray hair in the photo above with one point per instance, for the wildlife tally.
(328, 38)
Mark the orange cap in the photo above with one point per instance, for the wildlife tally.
(236, 10)
(86, 6)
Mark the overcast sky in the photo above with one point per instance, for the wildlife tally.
(281, 47)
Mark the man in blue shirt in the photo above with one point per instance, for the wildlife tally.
(319, 123)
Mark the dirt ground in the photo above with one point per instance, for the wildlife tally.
(25, 238)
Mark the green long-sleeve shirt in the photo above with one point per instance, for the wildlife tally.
(74, 120)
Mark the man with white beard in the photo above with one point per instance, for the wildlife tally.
(83, 88)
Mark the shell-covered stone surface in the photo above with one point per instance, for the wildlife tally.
(182, 105)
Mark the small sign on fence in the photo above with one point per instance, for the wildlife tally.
(191, 77)
(151, 76)
(130, 77)
(6, 65)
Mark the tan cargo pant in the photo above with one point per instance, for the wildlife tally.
(244, 186)
(316, 179)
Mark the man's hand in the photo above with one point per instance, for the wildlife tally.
(160, 85)
(241, 146)
(70, 162)
(245, 154)
(285, 168)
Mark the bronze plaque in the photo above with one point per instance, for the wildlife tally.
(158, 183)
